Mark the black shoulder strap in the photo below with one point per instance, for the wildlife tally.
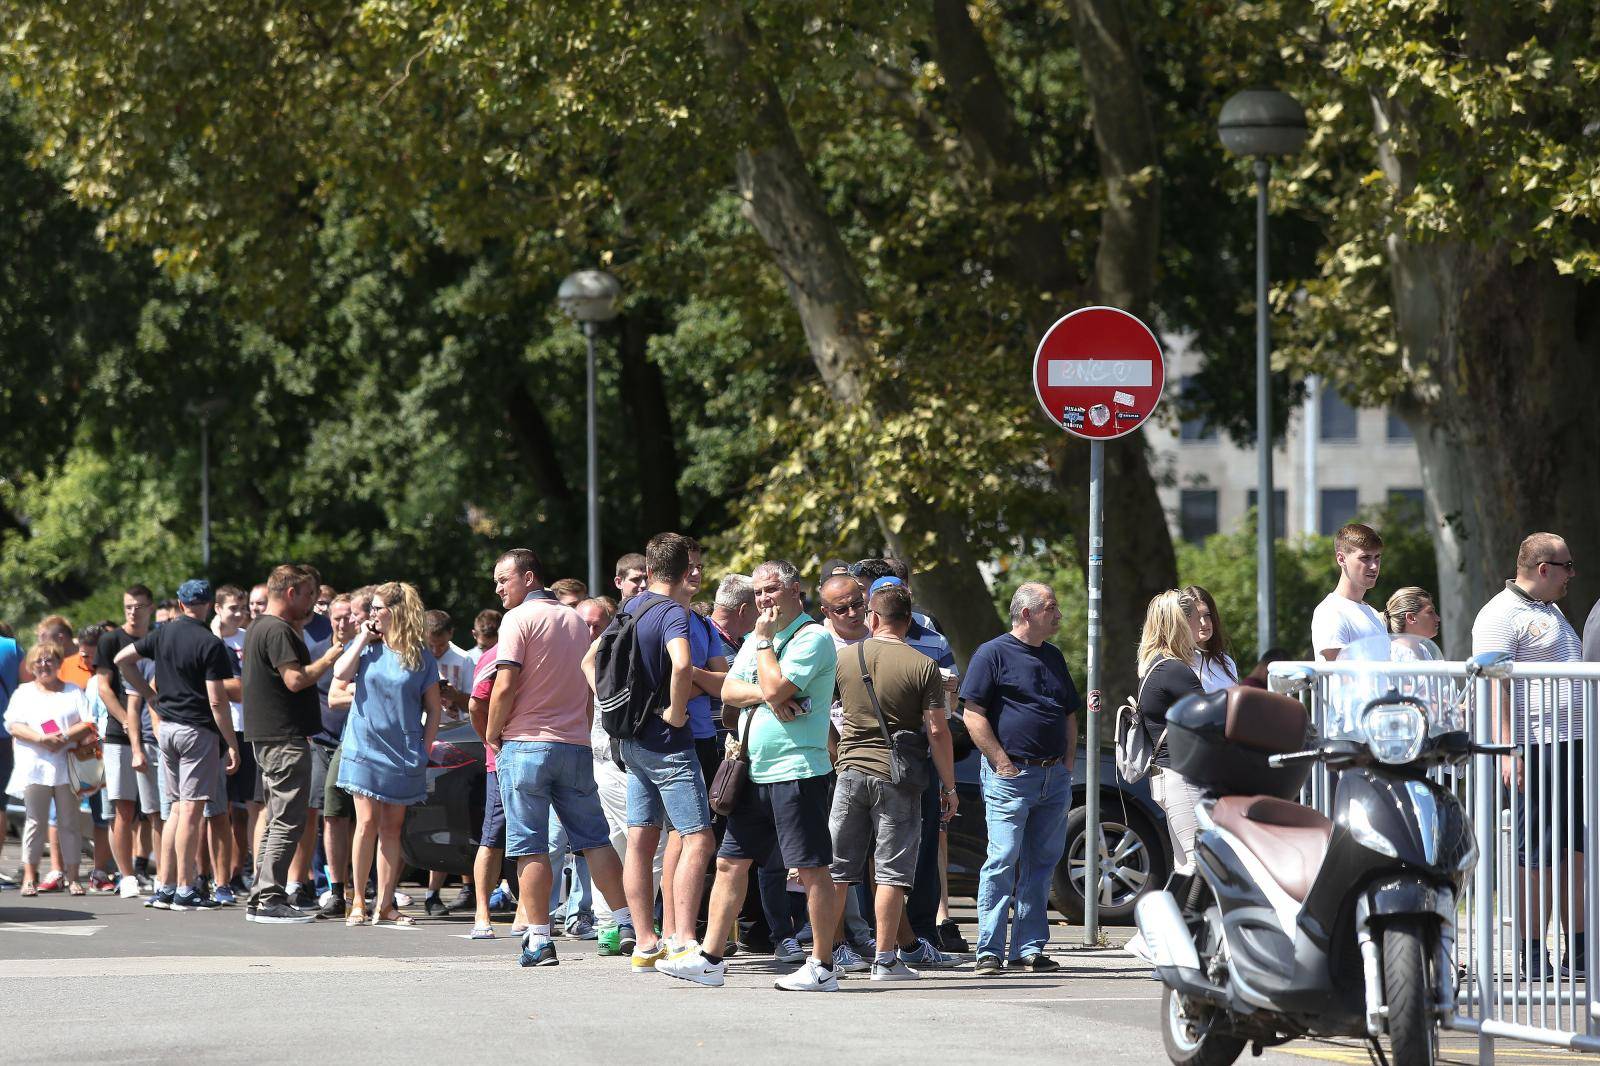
(744, 731)
(872, 691)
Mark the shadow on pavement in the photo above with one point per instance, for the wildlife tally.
(44, 914)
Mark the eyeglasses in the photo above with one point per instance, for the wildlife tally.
(40, 664)
(847, 608)
(1568, 563)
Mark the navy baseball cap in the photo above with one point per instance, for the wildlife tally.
(195, 590)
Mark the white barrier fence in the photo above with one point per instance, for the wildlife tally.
(1521, 943)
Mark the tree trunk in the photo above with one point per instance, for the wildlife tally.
(784, 204)
(1506, 360)
(643, 392)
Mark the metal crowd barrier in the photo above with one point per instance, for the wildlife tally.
(1524, 903)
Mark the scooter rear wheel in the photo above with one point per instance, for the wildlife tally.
(1196, 1041)
(1408, 992)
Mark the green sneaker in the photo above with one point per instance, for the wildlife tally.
(611, 941)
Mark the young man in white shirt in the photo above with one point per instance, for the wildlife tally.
(1343, 618)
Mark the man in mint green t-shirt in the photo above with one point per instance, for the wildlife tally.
(782, 680)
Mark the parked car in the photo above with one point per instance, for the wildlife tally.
(440, 832)
(1137, 855)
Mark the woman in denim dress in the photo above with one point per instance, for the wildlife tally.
(384, 754)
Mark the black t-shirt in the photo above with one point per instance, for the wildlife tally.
(187, 655)
(1167, 682)
(105, 657)
(271, 711)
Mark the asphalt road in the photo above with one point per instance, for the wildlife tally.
(101, 977)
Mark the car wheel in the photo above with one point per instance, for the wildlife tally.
(1134, 859)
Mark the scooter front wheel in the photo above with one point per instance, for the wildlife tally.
(1408, 993)
(1192, 1037)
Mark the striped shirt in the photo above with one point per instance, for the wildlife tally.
(1534, 632)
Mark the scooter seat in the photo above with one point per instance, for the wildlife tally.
(1290, 839)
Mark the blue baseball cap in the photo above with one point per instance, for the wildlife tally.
(883, 583)
(195, 590)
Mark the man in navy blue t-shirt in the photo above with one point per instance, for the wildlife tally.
(1021, 709)
(665, 784)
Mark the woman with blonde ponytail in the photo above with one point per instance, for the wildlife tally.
(1410, 610)
(1168, 659)
(384, 755)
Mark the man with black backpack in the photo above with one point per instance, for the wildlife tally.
(642, 673)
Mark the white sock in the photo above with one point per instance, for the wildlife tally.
(540, 931)
(294, 886)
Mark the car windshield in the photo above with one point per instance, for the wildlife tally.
(1386, 675)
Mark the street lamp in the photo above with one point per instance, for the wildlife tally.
(205, 410)
(1263, 123)
(590, 297)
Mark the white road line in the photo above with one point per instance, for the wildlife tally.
(201, 965)
(49, 930)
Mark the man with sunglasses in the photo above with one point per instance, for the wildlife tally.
(1547, 720)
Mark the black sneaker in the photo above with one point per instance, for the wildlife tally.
(301, 899)
(434, 906)
(280, 914)
(334, 908)
(950, 938)
(250, 911)
(543, 955)
(238, 885)
(193, 902)
(465, 902)
(1576, 963)
(161, 900)
(988, 966)
(1037, 963)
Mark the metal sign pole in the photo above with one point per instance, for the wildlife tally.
(1094, 838)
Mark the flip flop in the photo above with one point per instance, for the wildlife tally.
(30, 889)
(74, 888)
(400, 918)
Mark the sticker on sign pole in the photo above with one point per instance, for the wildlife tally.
(1099, 373)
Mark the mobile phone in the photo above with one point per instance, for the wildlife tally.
(802, 705)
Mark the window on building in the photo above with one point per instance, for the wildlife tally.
(1338, 419)
(1398, 430)
(1409, 500)
(1280, 509)
(1335, 507)
(1197, 513)
(1193, 429)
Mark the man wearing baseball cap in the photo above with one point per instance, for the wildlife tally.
(193, 669)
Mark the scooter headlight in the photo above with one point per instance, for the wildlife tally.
(1395, 731)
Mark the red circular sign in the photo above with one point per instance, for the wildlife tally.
(1098, 373)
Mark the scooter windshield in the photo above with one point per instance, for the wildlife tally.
(1385, 675)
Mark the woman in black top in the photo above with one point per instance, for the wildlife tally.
(1167, 657)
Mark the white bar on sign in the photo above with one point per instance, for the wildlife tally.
(1106, 373)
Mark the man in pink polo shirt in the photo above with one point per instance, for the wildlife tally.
(539, 728)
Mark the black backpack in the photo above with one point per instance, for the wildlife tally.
(621, 695)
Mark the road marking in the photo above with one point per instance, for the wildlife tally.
(1075, 999)
(225, 965)
(47, 930)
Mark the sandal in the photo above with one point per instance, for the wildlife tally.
(75, 888)
(30, 888)
(400, 918)
(357, 917)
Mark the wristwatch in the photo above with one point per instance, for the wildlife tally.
(946, 791)
(763, 645)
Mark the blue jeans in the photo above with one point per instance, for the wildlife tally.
(1026, 817)
(537, 777)
(581, 899)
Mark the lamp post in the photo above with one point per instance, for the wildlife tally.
(1263, 123)
(590, 297)
(205, 410)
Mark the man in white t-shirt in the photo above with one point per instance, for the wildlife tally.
(1343, 617)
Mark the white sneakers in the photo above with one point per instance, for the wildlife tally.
(690, 965)
(128, 887)
(812, 976)
(894, 971)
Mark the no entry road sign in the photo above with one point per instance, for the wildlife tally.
(1098, 373)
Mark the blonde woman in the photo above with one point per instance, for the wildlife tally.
(1167, 673)
(46, 718)
(1410, 610)
(383, 760)
(1215, 666)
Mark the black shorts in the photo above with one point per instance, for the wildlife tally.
(492, 834)
(789, 818)
(242, 782)
(1551, 794)
(336, 802)
(321, 756)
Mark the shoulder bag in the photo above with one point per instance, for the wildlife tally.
(908, 749)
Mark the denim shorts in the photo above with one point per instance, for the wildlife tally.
(873, 819)
(492, 834)
(536, 775)
(665, 786)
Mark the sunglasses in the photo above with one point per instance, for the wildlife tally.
(846, 608)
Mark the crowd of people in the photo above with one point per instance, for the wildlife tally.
(798, 739)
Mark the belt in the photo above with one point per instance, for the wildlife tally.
(1052, 761)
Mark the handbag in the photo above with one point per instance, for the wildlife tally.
(1136, 752)
(728, 784)
(908, 749)
(86, 767)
